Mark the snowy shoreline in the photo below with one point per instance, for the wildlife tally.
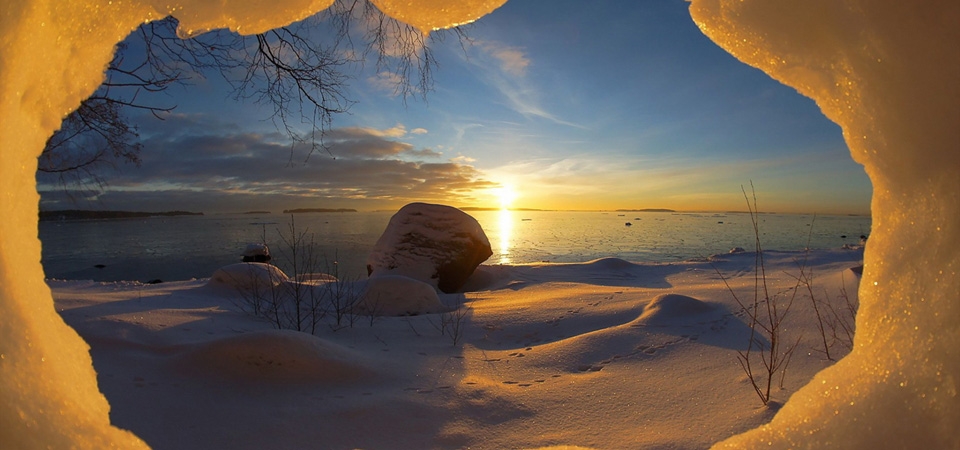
(547, 354)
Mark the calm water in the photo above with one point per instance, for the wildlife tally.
(179, 248)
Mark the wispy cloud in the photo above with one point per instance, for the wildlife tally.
(505, 68)
(645, 168)
(426, 153)
(386, 81)
(512, 60)
(461, 129)
(593, 182)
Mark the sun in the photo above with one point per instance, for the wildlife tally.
(506, 195)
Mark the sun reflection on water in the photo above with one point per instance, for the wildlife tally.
(505, 225)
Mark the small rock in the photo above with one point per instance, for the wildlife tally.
(256, 252)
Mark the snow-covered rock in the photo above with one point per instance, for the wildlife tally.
(439, 245)
(248, 276)
(256, 252)
(397, 295)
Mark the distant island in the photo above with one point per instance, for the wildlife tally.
(82, 214)
(317, 210)
(647, 210)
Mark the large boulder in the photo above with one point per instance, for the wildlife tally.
(439, 245)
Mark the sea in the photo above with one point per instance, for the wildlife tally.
(171, 248)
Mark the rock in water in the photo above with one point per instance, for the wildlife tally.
(439, 245)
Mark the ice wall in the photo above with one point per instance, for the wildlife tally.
(48, 390)
(885, 71)
(889, 73)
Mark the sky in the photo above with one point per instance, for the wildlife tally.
(579, 106)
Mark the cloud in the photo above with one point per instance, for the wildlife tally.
(418, 131)
(347, 133)
(174, 124)
(504, 68)
(362, 143)
(462, 129)
(512, 60)
(210, 171)
(397, 131)
(426, 153)
(386, 81)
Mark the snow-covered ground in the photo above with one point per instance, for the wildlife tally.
(561, 354)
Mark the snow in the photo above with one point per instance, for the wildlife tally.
(281, 357)
(429, 15)
(397, 295)
(887, 72)
(669, 309)
(603, 354)
(241, 276)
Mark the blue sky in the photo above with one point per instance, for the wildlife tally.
(600, 105)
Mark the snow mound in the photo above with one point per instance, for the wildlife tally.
(487, 278)
(273, 355)
(316, 278)
(563, 447)
(667, 309)
(248, 276)
(397, 295)
(611, 264)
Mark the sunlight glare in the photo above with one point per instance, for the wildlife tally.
(506, 195)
